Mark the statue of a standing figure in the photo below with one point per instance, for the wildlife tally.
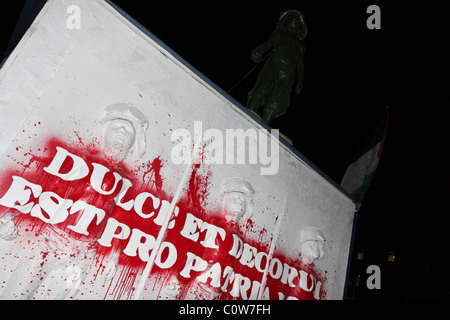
(275, 81)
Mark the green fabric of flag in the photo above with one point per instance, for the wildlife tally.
(360, 173)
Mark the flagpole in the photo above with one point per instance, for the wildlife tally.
(151, 261)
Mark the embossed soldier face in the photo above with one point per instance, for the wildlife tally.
(235, 203)
(312, 250)
(120, 135)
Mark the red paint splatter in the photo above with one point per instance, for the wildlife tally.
(152, 169)
(193, 202)
(198, 190)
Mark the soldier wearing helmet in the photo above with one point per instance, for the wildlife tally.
(274, 84)
(312, 245)
(237, 199)
(125, 130)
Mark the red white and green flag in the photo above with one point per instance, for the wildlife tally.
(359, 174)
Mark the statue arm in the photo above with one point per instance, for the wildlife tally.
(257, 53)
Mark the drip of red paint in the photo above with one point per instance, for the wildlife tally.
(193, 201)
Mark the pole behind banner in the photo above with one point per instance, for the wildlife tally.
(151, 261)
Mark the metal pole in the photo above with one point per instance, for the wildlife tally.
(151, 261)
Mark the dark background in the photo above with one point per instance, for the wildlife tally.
(351, 75)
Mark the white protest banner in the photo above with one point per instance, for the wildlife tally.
(100, 120)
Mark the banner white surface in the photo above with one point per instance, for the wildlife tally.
(98, 129)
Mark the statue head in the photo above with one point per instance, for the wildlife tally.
(293, 21)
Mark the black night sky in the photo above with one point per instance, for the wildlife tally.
(351, 75)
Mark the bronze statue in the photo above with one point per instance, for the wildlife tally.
(276, 79)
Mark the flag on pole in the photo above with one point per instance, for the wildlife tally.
(359, 174)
